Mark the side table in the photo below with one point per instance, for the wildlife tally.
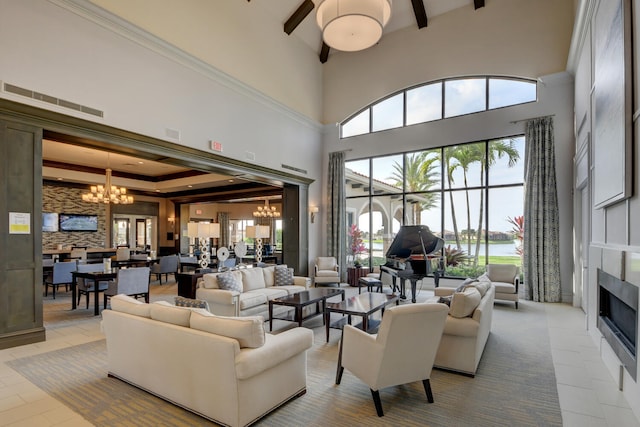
(354, 273)
(187, 283)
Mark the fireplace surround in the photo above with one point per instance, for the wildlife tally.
(618, 318)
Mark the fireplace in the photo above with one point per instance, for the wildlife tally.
(618, 318)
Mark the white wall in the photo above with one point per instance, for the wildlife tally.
(614, 232)
(72, 51)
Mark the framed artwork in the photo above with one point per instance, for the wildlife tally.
(611, 103)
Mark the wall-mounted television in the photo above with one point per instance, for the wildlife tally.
(49, 221)
(78, 222)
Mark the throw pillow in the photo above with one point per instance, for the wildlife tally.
(249, 330)
(464, 303)
(193, 303)
(283, 275)
(229, 282)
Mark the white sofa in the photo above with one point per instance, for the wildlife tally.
(182, 356)
(258, 286)
(467, 327)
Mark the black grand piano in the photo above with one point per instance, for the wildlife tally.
(408, 257)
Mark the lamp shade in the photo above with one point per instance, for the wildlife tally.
(250, 230)
(208, 230)
(262, 231)
(352, 25)
(192, 229)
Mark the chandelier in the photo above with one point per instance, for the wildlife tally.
(107, 193)
(266, 211)
(352, 25)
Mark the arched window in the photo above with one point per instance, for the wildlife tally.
(439, 100)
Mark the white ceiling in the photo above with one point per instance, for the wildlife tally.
(402, 16)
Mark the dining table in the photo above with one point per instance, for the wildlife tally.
(96, 277)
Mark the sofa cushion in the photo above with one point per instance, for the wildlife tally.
(249, 331)
(464, 303)
(188, 302)
(210, 281)
(229, 282)
(274, 292)
(252, 299)
(482, 287)
(252, 278)
(130, 305)
(165, 312)
(268, 273)
(504, 288)
(283, 275)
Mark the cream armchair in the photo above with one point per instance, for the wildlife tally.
(506, 280)
(326, 271)
(403, 351)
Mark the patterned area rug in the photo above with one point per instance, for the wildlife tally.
(515, 385)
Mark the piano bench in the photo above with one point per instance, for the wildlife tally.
(370, 283)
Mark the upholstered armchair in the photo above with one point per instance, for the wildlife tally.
(403, 351)
(167, 265)
(326, 271)
(130, 281)
(506, 279)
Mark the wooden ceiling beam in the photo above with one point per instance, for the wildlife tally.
(420, 13)
(478, 4)
(298, 16)
(324, 52)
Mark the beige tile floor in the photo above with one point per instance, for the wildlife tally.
(587, 392)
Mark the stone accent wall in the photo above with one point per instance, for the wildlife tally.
(69, 200)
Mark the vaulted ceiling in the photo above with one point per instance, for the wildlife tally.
(298, 17)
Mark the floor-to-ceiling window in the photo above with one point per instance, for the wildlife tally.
(469, 194)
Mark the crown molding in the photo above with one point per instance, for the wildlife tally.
(581, 27)
(115, 24)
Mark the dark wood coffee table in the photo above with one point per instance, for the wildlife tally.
(363, 305)
(301, 300)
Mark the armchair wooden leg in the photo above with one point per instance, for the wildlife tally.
(427, 388)
(377, 402)
(87, 294)
(340, 369)
(516, 305)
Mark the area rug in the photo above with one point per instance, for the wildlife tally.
(515, 385)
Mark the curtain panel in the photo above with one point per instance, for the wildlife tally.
(336, 215)
(541, 254)
(223, 219)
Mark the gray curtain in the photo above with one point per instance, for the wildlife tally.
(223, 219)
(336, 215)
(541, 262)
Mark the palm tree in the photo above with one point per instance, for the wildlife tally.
(420, 175)
(465, 155)
(451, 165)
(496, 150)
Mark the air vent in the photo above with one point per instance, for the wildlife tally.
(172, 133)
(293, 168)
(16, 90)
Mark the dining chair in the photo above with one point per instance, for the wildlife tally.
(60, 275)
(167, 265)
(85, 287)
(130, 281)
(123, 254)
